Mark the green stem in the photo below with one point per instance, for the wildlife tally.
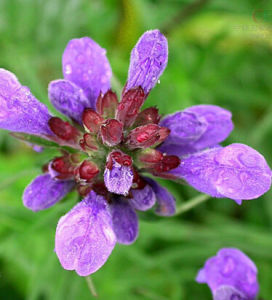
(91, 286)
(192, 203)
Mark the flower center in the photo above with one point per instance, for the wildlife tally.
(115, 138)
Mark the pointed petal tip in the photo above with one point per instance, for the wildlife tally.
(148, 60)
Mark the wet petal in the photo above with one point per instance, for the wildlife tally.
(125, 221)
(20, 111)
(236, 171)
(230, 272)
(118, 179)
(143, 199)
(196, 128)
(68, 98)
(227, 292)
(166, 203)
(85, 237)
(44, 191)
(85, 63)
(148, 60)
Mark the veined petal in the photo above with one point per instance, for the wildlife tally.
(196, 128)
(148, 60)
(230, 272)
(236, 171)
(125, 221)
(143, 199)
(68, 98)
(44, 191)
(85, 63)
(166, 203)
(118, 179)
(85, 237)
(20, 111)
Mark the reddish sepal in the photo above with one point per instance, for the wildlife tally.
(88, 142)
(138, 181)
(146, 136)
(86, 171)
(62, 129)
(91, 120)
(120, 158)
(111, 132)
(130, 105)
(148, 116)
(106, 104)
(167, 163)
(63, 166)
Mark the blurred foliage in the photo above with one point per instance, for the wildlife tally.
(221, 54)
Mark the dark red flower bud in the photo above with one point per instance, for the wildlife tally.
(130, 105)
(149, 157)
(146, 136)
(88, 142)
(87, 170)
(138, 181)
(111, 132)
(63, 166)
(91, 120)
(148, 116)
(106, 104)
(62, 129)
(120, 158)
(168, 163)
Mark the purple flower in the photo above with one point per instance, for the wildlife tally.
(230, 275)
(111, 144)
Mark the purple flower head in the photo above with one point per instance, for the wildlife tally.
(108, 145)
(230, 275)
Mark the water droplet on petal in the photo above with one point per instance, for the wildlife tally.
(68, 69)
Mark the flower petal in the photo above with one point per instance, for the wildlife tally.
(227, 292)
(118, 179)
(143, 199)
(230, 271)
(44, 191)
(166, 203)
(20, 111)
(84, 236)
(196, 128)
(68, 98)
(125, 221)
(148, 60)
(236, 171)
(85, 63)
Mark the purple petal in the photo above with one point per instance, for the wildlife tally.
(20, 111)
(143, 199)
(148, 60)
(85, 237)
(227, 292)
(125, 221)
(236, 171)
(119, 179)
(85, 63)
(44, 191)
(230, 267)
(68, 99)
(166, 203)
(196, 128)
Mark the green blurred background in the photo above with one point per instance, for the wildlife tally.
(219, 53)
